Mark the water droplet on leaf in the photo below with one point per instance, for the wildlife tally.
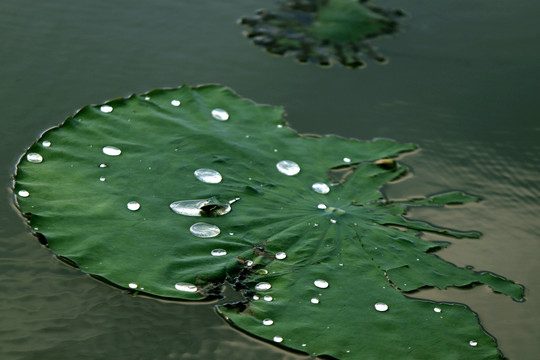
(133, 285)
(208, 176)
(320, 188)
(281, 255)
(220, 114)
(218, 252)
(288, 167)
(437, 310)
(23, 193)
(381, 306)
(322, 284)
(473, 343)
(187, 287)
(111, 151)
(102, 178)
(278, 339)
(106, 108)
(314, 301)
(175, 102)
(34, 158)
(268, 298)
(267, 322)
(263, 286)
(200, 207)
(204, 230)
(321, 206)
(46, 143)
(103, 165)
(133, 205)
(347, 160)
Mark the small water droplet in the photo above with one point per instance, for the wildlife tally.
(268, 298)
(23, 193)
(321, 206)
(106, 108)
(187, 287)
(46, 143)
(34, 158)
(275, 150)
(322, 284)
(381, 306)
(133, 285)
(102, 178)
(333, 221)
(278, 339)
(473, 343)
(281, 255)
(320, 188)
(255, 297)
(175, 102)
(262, 271)
(304, 344)
(103, 165)
(111, 151)
(267, 322)
(133, 205)
(263, 286)
(437, 310)
(347, 160)
(249, 263)
(204, 230)
(279, 126)
(218, 252)
(314, 301)
(220, 114)
(147, 98)
(288, 167)
(208, 176)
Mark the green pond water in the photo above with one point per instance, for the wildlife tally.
(462, 82)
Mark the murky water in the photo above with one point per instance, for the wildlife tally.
(462, 83)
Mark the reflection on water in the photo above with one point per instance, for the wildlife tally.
(454, 85)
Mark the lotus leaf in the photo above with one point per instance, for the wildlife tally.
(323, 31)
(176, 192)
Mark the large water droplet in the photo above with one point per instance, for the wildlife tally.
(34, 158)
(23, 193)
(473, 343)
(133, 205)
(281, 255)
(320, 188)
(267, 322)
(381, 306)
(322, 284)
(218, 252)
(220, 114)
(111, 151)
(106, 108)
(263, 286)
(175, 102)
(208, 176)
(187, 287)
(46, 143)
(288, 167)
(199, 207)
(204, 230)
(278, 339)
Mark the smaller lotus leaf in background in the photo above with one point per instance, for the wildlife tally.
(177, 192)
(323, 31)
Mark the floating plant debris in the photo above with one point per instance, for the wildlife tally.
(307, 233)
(323, 31)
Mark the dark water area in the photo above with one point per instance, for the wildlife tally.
(462, 82)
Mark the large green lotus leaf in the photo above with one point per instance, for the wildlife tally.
(175, 192)
(322, 31)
